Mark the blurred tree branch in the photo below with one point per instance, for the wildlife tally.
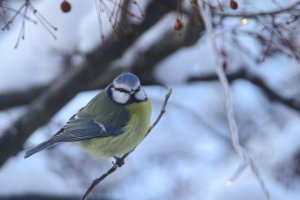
(21, 97)
(142, 65)
(256, 80)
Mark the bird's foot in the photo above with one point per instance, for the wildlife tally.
(119, 161)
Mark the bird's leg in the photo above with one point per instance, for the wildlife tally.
(119, 161)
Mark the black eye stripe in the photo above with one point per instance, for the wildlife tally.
(122, 90)
(138, 89)
(126, 91)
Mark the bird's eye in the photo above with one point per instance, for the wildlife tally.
(122, 90)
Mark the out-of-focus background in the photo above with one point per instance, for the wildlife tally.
(56, 55)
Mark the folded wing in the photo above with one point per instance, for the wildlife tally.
(78, 129)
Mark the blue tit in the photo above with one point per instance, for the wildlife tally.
(112, 124)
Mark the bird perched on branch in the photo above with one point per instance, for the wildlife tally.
(112, 124)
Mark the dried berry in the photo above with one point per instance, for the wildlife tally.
(65, 6)
(233, 5)
(178, 25)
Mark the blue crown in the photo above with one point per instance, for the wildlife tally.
(128, 79)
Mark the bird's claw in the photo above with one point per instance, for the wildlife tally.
(119, 161)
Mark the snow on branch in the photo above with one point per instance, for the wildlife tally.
(240, 150)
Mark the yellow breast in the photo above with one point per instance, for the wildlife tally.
(134, 133)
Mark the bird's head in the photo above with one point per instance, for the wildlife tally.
(126, 89)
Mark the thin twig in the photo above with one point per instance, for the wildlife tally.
(117, 165)
(98, 180)
(274, 22)
(261, 13)
(163, 110)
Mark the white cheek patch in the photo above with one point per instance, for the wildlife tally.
(120, 97)
(140, 95)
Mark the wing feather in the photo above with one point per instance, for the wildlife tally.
(78, 129)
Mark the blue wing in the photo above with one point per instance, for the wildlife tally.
(78, 129)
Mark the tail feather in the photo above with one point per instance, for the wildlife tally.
(40, 147)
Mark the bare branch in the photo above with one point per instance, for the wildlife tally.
(117, 165)
(261, 13)
(23, 12)
(163, 110)
(99, 180)
(275, 30)
(20, 97)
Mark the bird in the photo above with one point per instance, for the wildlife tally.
(112, 124)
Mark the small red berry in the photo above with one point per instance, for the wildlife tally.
(65, 6)
(233, 5)
(178, 25)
